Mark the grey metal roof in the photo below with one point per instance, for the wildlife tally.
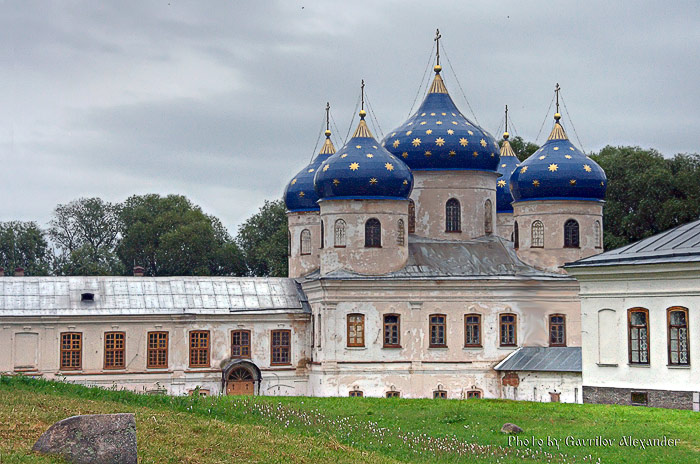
(550, 358)
(483, 257)
(22, 296)
(678, 245)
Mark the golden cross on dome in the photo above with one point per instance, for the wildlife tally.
(362, 91)
(437, 46)
(556, 92)
(328, 109)
(506, 131)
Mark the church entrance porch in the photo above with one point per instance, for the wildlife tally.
(239, 377)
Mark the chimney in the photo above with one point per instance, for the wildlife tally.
(19, 272)
(139, 271)
(2, 272)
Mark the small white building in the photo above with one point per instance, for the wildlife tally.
(640, 315)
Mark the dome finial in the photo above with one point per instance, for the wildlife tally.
(506, 134)
(363, 113)
(557, 115)
(437, 38)
(328, 120)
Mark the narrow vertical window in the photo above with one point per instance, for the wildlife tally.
(306, 242)
(391, 331)
(320, 333)
(411, 217)
(488, 217)
(438, 330)
(453, 216)
(472, 330)
(400, 233)
(289, 243)
(571, 234)
(240, 344)
(597, 234)
(114, 350)
(678, 350)
(638, 335)
(516, 236)
(373, 233)
(537, 235)
(508, 330)
(281, 342)
(339, 234)
(71, 351)
(356, 330)
(199, 348)
(157, 352)
(322, 234)
(557, 330)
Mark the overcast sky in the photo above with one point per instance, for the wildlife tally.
(223, 101)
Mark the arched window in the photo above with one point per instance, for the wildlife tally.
(322, 234)
(638, 335)
(373, 233)
(509, 330)
(339, 234)
(557, 330)
(453, 216)
(597, 235)
(488, 217)
(306, 242)
(516, 237)
(678, 351)
(400, 233)
(537, 235)
(411, 217)
(571, 234)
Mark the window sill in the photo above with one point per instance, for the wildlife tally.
(508, 347)
(678, 366)
(473, 348)
(437, 347)
(644, 366)
(355, 348)
(453, 231)
(114, 368)
(392, 347)
(280, 365)
(606, 364)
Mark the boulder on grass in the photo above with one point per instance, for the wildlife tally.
(96, 439)
(510, 428)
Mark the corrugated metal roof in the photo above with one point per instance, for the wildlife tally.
(680, 244)
(21, 296)
(550, 358)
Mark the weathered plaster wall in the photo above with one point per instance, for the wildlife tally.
(432, 189)
(537, 386)
(505, 225)
(554, 214)
(301, 265)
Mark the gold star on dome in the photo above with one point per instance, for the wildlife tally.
(422, 114)
(572, 181)
(553, 167)
(523, 170)
(439, 141)
(454, 122)
(503, 165)
(358, 146)
(416, 142)
(463, 142)
(470, 132)
(429, 131)
(602, 184)
(438, 122)
(373, 180)
(450, 131)
(344, 155)
(567, 157)
(536, 183)
(556, 148)
(423, 123)
(428, 153)
(542, 157)
(493, 155)
(501, 183)
(410, 123)
(325, 168)
(483, 143)
(405, 154)
(405, 182)
(444, 114)
(452, 153)
(301, 194)
(409, 132)
(396, 143)
(375, 147)
(311, 170)
(336, 181)
(454, 114)
(475, 154)
(354, 166)
(393, 134)
(587, 168)
(369, 155)
(432, 114)
(294, 181)
(571, 148)
(389, 166)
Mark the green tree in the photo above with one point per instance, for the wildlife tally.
(263, 240)
(23, 244)
(86, 232)
(647, 193)
(521, 148)
(171, 236)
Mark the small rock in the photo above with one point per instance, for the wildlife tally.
(510, 428)
(96, 439)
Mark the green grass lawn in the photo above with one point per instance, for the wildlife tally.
(376, 430)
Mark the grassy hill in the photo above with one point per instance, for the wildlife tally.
(348, 430)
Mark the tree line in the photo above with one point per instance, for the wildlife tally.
(169, 235)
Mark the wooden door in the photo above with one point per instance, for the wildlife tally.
(241, 387)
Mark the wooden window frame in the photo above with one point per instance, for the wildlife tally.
(339, 226)
(240, 345)
(393, 394)
(668, 334)
(199, 349)
(453, 224)
(301, 243)
(537, 229)
(157, 349)
(644, 394)
(598, 234)
(444, 330)
(473, 394)
(370, 241)
(400, 233)
(478, 324)
(439, 394)
(411, 216)
(386, 324)
(79, 350)
(515, 329)
(356, 394)
(488, 217)
(574, 243)
(551, 325)
(356, 324)
(280, 347)
(114, 351)
(629, 336)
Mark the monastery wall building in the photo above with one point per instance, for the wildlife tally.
(427, 264)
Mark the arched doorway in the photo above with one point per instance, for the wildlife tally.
(239, 377)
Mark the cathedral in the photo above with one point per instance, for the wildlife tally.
(425, 265)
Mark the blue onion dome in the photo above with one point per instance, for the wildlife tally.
(558, 171)
(439, 138)
(509, 161)
(300, 195)
(362, 169)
